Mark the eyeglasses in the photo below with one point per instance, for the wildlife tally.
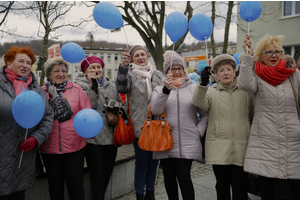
(270, 53)
(179, 69)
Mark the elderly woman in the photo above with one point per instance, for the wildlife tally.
(228, 126)
(273, 150)
(139, 78)
(63, 152)
(175, 97)
(100, 152)
(15, 77)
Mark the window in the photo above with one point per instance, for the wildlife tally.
(94, 54)
(291, 8)
(109, 57)
(220, 50)
(116, 58)
(116, 73)
(87, 55)
(102, 56)
(287, 50)
(109, 73)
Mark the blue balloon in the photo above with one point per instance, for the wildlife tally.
(88, 123)
(250, 10)
(107, 15)
(28, 108)
(200, 27)
(236, 57)
(176, 25)
(72, 52)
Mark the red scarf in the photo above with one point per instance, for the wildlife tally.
(17, 83)
(274, 75)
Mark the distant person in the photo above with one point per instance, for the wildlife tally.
(273, 150)
(297, 59)
(137, 76)
(196, 75)
(229, 119)
(100, 153)
(175, 97)
(15, 77)
(63, 152)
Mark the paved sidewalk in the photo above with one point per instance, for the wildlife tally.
(204, 185)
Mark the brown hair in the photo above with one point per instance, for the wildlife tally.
(223, 62)
(11, 53)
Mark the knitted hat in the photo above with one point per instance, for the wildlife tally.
(92, 59)
(223, 57)
(172, 56)
(202, 64)
(49, 64)
(134, 49)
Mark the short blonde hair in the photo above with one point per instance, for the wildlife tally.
(49, 64)
(267, 40)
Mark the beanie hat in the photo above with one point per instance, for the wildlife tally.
(92, 59)
(134, 49)
(202, 64)
(215, 62)
(172, 56)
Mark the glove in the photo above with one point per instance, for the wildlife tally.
(95, 85)
(205, 76)
(28, 144)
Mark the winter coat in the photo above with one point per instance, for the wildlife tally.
(182, 116)
(228, 122)
(138, 94)
(12, 178)
(274, 143)
(105, 137)
(63, 138)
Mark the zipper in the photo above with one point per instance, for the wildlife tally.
(60, 151)
(178, 123)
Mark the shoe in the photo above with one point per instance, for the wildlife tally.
(149, 195)
(139, 197)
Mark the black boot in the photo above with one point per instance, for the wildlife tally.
(149, 195)
(139, 197)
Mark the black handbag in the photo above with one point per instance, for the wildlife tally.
(253, 184)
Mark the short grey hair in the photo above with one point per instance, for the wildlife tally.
(49, 64)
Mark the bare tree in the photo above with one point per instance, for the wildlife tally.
(90, 39)
(227, 25)
(212, 38)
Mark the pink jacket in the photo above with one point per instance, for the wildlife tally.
(68, 140)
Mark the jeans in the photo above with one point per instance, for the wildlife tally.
(145, 170)
(14, 196)
(178, 170)
(69, 167)
(100, 160)
(234, 176)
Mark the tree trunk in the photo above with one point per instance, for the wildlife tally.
(212, 38)
(227, 26)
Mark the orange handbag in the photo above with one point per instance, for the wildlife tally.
(124, 133)
(156, 134)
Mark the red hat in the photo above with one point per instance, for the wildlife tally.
(91, 59)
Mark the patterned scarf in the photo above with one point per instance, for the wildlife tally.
(146, 73)
(19, 82)
(58, 101)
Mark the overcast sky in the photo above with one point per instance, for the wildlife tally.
(29, 27)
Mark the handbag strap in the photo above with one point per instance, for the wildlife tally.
(128, 111)
(149, 114)
(103, 97)
(295, 95)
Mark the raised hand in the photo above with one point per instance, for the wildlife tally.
(168, 81)
(247, 45)
(205, 74)
(126, 58)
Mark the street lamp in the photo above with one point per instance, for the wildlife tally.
(165, 15)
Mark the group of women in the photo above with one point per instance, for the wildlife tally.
(251, 123)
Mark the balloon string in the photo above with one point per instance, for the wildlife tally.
(125, 36)
(206, 50)
(248, 32)
(23, 149)
(172, 58)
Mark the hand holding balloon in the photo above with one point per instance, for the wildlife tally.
(28, 144)
(126, 58)
(247, 45)
(168, 81)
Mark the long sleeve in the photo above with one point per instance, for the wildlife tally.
(202, 97)
(123, 82)
(247, 80)
(202, 125)
(159, 100)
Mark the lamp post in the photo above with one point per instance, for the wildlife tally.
(165, 15)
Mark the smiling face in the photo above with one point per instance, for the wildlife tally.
(21, 65)
(226, 74)
(270, 60)
(140, 58)
(177, 72)
(97, 68)
(58, 73)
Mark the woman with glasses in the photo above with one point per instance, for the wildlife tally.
(273, 151)
(175, 97)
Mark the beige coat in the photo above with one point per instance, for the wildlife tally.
(274, 143)
(228, 123)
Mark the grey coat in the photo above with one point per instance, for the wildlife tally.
(109, 90)
(12, 178)
(138, 94)
(182, 116)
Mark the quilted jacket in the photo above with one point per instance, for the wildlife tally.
(182, 116)
(274, 143)
(12, 178)
(97, 100)
(67, 140)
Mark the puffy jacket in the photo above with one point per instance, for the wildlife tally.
(274, 143)
(182, 116)
(12, 178)
(105, 137)
(66, 140)
(228, 122)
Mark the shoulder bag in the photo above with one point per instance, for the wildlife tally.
(156, 134)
